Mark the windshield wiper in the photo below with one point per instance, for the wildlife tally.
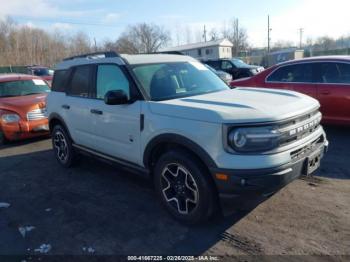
(9, 96)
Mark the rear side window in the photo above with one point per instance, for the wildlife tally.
(301, 73)
(80, 81)
(214, 64)
(334, 73)
(59, 81)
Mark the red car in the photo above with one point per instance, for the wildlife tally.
(325, 78)
(22, 107)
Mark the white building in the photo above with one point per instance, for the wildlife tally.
(214, 49)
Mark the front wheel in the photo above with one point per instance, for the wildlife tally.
(62, 146)
(184, 187)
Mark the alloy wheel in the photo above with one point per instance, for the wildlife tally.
(61, 147)
(179, 188)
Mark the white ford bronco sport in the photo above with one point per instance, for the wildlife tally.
(171, 117)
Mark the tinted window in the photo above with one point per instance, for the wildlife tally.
(334, 73)
(110, 77)
(79, 85)
(214, 64)
(23, 88)
(226, 65)
(59, 80)
(301, 73)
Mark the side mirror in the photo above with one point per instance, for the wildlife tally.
(116, 97)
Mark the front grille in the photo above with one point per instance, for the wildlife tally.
(36, 114)
(299, 128)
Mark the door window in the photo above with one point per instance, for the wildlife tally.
(79, 85)
(301, 73)
(111, 77)
(226, 65)
(334, 73)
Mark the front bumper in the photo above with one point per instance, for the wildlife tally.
(25, 129)
(264, 182)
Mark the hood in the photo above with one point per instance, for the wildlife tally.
(239, 105)
(23, 104)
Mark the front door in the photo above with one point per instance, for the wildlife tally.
(116, 127)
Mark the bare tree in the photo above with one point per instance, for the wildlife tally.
(142, 38)
(236, 34)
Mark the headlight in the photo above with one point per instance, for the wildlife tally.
(253, 139)
(10, 118)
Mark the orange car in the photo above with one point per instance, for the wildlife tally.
(22, 107)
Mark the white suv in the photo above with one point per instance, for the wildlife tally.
(171, 117)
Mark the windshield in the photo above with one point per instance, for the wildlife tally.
(23, 88)
(41, 71)
(238, 63)
(174, 80)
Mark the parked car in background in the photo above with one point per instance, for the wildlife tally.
(235, 67)
(226, 77)
(324, 78)
(170, 117)
(41, 71)
(22, 107)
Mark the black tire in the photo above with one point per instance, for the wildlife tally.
(62, 146)
(197, 187)
(3, 139)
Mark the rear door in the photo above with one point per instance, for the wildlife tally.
(76, 105)
(296, 77)
(333, 91)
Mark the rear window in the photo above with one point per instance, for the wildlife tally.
(60, 80)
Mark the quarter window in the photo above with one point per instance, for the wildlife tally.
(110, 77)
(79, 85)
(301, 73)
(59, 80)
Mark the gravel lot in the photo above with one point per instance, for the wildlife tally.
(110, 211)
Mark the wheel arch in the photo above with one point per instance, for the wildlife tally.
(162, 142)
(55, 119)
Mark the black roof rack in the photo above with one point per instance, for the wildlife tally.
(169, 52)
(92, 55)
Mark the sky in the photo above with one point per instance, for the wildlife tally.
(106, 19)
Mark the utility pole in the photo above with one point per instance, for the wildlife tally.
(301, 31)
(95, 44)
(268, 34)
(205, 34)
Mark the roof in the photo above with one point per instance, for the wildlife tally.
(14, 77)
(318, 58)
(156, 58)
(220, 42)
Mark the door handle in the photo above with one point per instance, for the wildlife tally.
(66, 107)
(96, 111)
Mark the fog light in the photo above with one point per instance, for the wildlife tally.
(242, 182)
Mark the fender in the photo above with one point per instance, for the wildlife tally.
(179, 140)
(55, 116)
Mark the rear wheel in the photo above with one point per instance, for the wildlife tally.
(62, 146)
(183, 186)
